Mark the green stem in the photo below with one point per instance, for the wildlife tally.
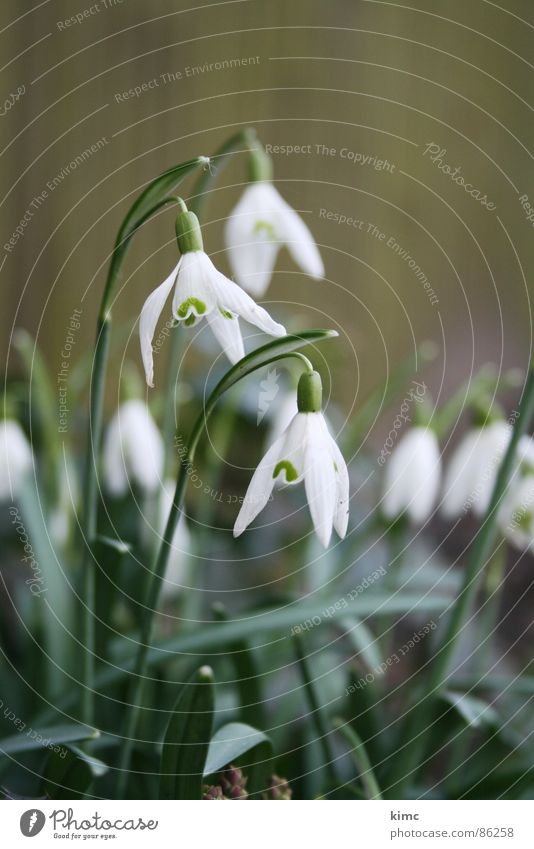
(255, 360)
(316, 710)
(361, 759)
(490, 610)
(170, 398)
(98, 380)
(220, 158)
(151, 200)
(419, 721)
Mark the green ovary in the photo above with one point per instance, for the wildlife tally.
(265, 227)
(198, 306)
(288, 468)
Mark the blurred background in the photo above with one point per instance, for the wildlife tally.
(364, 87)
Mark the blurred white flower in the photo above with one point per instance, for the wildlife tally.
(472, 469)
(305, 451)
(516, 516)
(413, 476)
(133, 450)
(259, 225)
(15, 458)
(180, 545)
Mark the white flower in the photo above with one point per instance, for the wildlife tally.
(305, 451)
(180, 545)
(516, 516)
(133, 450)
(472, 469)
(200, 291)
(259, 225)
(412, 476)
(15, 458)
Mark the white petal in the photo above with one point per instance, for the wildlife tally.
(231, 297)
(292, 451)
(516, 516)
(413, 475)
(194, 296)
(460, 475)
(150, 313)
(341, 515)
(252, 263)
(251, 249)
(175, 573)
(133, 449)
(299, 240)
(320, 478)
(15, 458)
(259, 489)
(228, 334)
(493, 444)
(114, 469)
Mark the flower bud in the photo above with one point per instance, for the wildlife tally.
(233, 783)
(213, 793)
(279, 789)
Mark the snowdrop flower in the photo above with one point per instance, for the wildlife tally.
(200, 291)
(133, 450)
(305, 451)
(257, 228)
(516, 517)
(472, 469)
(412, 476)
(15, 458)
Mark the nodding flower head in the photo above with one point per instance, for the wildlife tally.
(260, 224)
(15, 458)
(201, 292)
(412, 476)
(133, 450)
(472, 469)
(304, 452)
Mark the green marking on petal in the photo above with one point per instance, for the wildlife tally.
(335, 467)
(264, 227)
(225, 313)
(288, 468)
(198, 306)
(190, 320)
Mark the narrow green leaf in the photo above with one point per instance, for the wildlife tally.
(474, 711)
(363, 641)
(361, 760)
(156, 191)
(70, 773)
(231, 742)
(118, 545)
(266, 354)
(243, 139)
(218, 635)
(246, 673)
(32, 739)
(187, 739)
(50, 586)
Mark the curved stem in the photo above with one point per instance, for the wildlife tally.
(160, 562)
(152, 199)
(220, 158)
